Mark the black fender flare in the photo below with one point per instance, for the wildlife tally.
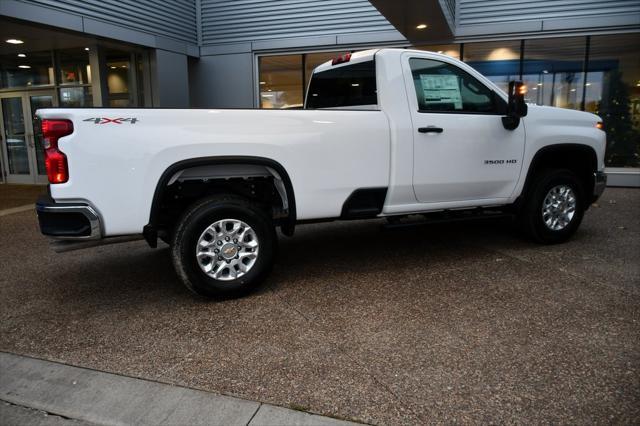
(288, 227)
(549, 149)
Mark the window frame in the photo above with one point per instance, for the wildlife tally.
(498, 102)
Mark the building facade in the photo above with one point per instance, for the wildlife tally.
(260, 53)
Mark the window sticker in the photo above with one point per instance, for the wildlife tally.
(441, 89)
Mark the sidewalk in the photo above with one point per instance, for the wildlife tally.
(74, 396)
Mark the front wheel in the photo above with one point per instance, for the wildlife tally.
(223, 246)
(554, 207)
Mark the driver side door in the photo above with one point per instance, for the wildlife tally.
(462, 152)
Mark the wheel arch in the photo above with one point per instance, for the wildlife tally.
(170, 173)
(579, 158)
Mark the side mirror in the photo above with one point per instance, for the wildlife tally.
(516, 106)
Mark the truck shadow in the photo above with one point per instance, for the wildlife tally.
(326, 250)
(323, 249)
(367, 246)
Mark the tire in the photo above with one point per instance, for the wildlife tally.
(554, 207)
(234, 268)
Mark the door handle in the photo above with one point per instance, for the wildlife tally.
(430, 129)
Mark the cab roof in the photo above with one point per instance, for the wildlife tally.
(356, 57)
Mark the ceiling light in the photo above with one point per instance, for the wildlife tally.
(87, 49)
(440, 51)
(14, 41)
(113, 68)
(355, 84)
(24, 67)
(545, 72)
(21, 55)
(573, 90)
(539, 84)
(421, 27)
(588, 84)
(263, 82)
(124, 66)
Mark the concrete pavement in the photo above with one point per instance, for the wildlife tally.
(68, 395)
(435, 324)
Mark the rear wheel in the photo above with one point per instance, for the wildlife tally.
(223, 246)
(554, 207)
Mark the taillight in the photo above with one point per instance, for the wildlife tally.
(55, 160)
(341, 59)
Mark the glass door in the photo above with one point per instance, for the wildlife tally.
(22, 142)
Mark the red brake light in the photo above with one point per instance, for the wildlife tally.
(341, 59)
(55, 160)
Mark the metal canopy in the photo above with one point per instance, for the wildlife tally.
(407, 15)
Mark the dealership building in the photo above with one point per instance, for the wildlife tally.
(582, 55)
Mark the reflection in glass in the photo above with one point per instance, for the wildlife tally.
(281, 81)
(35, 69)
(553, 71)
(118, 79)
(498, 61)
(74, 66)
(14, 136)
(613, 92)
(37, 102)
(76, 97)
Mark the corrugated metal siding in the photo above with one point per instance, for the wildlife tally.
(451, 7)
(477, 12)
(225, 21)
(174, 19)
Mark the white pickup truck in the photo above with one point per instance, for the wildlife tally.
(383, 133)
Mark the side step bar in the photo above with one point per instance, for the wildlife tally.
(444, 217)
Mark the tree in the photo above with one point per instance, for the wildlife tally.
(623, 141)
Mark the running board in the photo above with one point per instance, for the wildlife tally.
(445, 217)
(62, 246)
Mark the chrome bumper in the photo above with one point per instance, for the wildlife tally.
(77, 221)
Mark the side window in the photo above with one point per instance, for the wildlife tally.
(442, 87)
(352, 85)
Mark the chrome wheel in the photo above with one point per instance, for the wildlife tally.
(227, 249)
(559, 207)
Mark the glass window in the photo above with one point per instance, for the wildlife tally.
(76, 97)
(553, 71)
(613, 92)
(498, 61)
(441, 87)
(74, 66)
(452, 50)
(345, 86)
(281, 81)
(118, 79)
(29, 69)
(15, 136)
(312, 60)
(37, 102)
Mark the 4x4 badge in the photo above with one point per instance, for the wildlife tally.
(106, 120)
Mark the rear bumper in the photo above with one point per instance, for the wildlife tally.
(600, 183)
(67, 221)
